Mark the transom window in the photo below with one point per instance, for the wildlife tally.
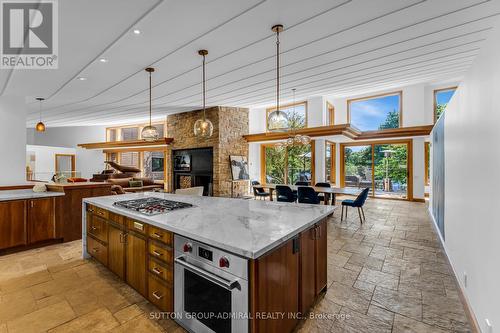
(376, 112)
(130, 133)
(441, 99)
(297, 114)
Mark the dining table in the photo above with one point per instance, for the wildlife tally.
(326, 191)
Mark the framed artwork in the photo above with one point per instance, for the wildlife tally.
(182, 163)
(239, 167)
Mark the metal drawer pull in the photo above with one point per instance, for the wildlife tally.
(157, 271)
(95, 249)
(226, 284)
(93, 227)
(157, 235)
(156, 253)
(158, 297)
(139, 226)
(100, 213)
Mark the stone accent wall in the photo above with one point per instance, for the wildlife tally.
(229, 125)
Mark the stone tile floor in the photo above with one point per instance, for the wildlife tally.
(388, 275)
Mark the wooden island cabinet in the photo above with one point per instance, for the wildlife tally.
(287, 279)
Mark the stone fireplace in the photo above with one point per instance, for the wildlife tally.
(230, 124)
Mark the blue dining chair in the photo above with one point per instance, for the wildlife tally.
(358, 203)
(285, 194)
(302, 183)
(259, 192)
(307, 194)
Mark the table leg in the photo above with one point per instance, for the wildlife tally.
(271, 190)
(333, 199)
(327, 198)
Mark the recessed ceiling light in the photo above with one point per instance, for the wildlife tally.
(81, 78)
(137, 31)
(103, 60)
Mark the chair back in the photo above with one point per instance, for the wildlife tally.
(284, 193)
(257, 189)
(307, 195)
(323, 185)
(302, 183)
(360, 200)
(195, 191)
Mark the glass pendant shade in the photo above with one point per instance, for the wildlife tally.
(40, 127)
(203, 128)
(150, 133)
(277, 121)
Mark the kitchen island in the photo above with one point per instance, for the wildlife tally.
(263, 263)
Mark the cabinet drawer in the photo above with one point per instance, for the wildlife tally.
(160, 235)
(160, 270)
(118, 219)
(97, 250)
(98, 211)
(98, 228)
(137, 226)
(160, 294)
(159, 252)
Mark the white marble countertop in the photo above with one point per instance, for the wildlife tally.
(248, 228)
(10, 195)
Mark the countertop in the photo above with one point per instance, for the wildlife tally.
(249, 228)
(9, 195)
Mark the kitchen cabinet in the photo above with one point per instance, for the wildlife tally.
(313, 266)
(13, 224)
(41, 220)
(274, 280)
(116, 250)
(136, 262)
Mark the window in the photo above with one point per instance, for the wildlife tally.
(330, 169)
(130, 158)
(375, 113)
(427, 152)
(287, 165)
(384, 167)
(297, 114)
(130, 133)
(331, 113)
(441, 99)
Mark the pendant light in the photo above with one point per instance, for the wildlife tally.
(40, 127)
(149, 133)
(277, 121)
(203, 128)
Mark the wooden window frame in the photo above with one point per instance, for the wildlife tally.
(331, 113)
(73, 161)
(427, 147)
(286, 106)
(393, 93)
(409, 163)
(434, 95)
(263, 162)
(333, 161)
(139, 127)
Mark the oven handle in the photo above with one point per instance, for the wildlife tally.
(229, 285)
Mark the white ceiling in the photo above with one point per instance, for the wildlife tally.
(329, 47)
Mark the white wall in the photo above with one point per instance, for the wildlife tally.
(472, 164)
(88, 162)
(45, 165)
(12, 140)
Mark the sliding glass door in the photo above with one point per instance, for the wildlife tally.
(287, 165)
(384, 167)
(391, 170)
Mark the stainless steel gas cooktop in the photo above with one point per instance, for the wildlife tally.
(152, 206)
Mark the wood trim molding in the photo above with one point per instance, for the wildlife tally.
(333, 161)
(427, 147)
(331, 113)
(434, 103)
(392, 93)
(127, 144)
(73, 161)
(345, 130)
